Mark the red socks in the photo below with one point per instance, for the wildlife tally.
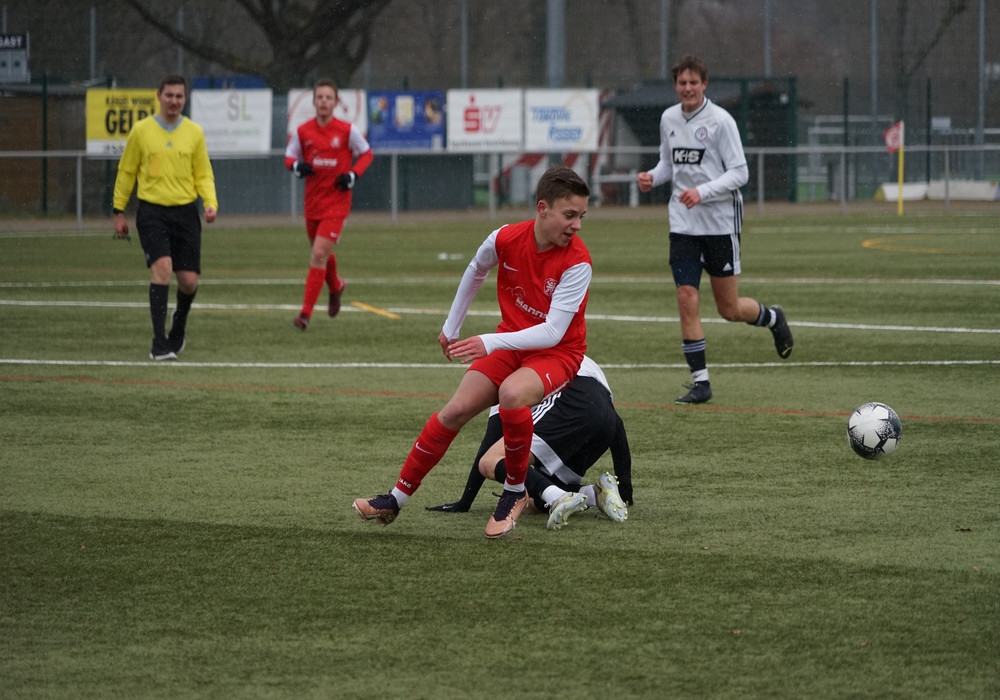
(314, 285)
(332, 281)
(426, 452)
(435, 439)
(517, 432)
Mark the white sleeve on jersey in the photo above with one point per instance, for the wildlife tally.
(294, 148)
(357, 142)
(479, 267)
(542, 335)
(736, 173)
(664, 170)
(567, 298)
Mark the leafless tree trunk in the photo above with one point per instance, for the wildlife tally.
(300, 37)
(907, 66)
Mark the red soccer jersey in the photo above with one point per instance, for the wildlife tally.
(331, 150)
(526, 279)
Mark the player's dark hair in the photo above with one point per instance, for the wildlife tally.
(326, 82)
(558, 182)
(173, 79)
(692, 63)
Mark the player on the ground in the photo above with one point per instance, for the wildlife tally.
(543, 278)
(573, 429)
(330, 154)
(166, 154)
(700, 150)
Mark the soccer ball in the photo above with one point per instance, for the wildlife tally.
(873, 430)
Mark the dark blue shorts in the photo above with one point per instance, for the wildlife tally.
(719, 256)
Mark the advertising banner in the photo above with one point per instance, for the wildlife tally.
(561, 120)
(235, 121)
(111, 114)
(351, 108)
(483, 121)
(406, 120)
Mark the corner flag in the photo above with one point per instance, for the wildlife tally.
(895, 141)
(894, 138)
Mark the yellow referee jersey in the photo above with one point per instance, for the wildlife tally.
(171, 164)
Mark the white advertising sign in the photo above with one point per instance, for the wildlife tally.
(485, 120)
(235, 121)
(561, 120)
(351, 108)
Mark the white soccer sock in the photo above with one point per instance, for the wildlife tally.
(551, 494)
(400, 496)
(590, 491)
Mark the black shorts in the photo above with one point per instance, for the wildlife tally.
(718, 255)
(173, 232)
(573, 428)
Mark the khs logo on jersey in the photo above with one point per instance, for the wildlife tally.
(688, 156)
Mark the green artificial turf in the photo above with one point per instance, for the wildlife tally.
(184, 529)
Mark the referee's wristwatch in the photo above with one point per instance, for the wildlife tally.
(117, 211)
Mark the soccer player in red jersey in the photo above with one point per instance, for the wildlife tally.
(543, 278)
(330, 154)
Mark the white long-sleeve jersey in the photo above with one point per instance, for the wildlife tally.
(703, 150)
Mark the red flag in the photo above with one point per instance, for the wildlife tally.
(894, 137)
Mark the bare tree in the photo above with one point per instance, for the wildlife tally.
(907, 66)
(300, 37)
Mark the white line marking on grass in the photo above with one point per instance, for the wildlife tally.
(453, 366)
(450, 281)
(495, 314)
(233, 365)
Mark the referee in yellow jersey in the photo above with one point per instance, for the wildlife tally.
(166, 153)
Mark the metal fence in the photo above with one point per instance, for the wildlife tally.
(68, 183)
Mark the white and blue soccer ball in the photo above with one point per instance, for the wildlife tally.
(873, 430)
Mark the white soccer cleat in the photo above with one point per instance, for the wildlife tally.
(609, 500)
(563, 507)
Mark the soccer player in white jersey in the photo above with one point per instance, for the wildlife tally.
(701, 152)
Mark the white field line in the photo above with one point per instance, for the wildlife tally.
(406, 311)
(451, 281)
(457, 366)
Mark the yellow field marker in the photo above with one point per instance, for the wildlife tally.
(374, 310)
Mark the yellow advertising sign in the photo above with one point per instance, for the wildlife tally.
(110, 115)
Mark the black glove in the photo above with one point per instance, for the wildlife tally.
(456, 507)
(345, 181)
(302, 168)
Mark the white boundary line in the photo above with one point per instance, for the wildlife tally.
(453, 366)
(450, 281)
(405, 311)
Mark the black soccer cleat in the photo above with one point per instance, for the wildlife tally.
(782, 333)
(334, 307)
(176, 340)
(700, 392)
(161, 351)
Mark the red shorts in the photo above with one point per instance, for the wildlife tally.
(324, 228)
(556, 368)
